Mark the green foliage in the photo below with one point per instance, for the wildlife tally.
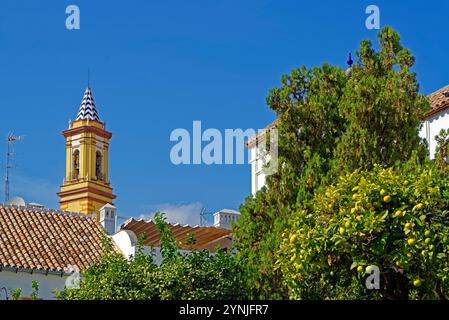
(330, 122)
(308, 100)
(382, 107)
(442, 151)
(35, 292)
(396, 219)
(16, 293)
(194, 275)
(168, 243)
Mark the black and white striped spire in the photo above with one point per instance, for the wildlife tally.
(87, 109)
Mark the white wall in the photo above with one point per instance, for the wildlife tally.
(23, 279)
(257, 164)
(432, 127)
(126, 241)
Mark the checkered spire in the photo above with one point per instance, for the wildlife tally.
(87, 109)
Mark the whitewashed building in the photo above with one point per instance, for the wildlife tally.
(47, 246)
(437, 119)
(258, 157)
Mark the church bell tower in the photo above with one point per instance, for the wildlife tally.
(86, 187)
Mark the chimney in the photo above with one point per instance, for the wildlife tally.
(108, 218)
(224, 217)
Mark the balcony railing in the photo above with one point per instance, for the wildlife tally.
(100, 177)
(74, 177)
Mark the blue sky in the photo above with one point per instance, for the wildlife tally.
(159, 65)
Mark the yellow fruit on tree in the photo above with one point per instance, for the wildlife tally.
(293, 238)
(387, 199)
(369, 269)
(417, 283)
(360, 269)
(411, 241)
(353, 210)
(347, 224)
(341, 230)
(427, 241)
(383, 192)
(427, 233)
(408, 226)
(420, 206)
(398, 214)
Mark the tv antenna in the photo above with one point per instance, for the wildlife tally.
(203, 217)
(10, 140)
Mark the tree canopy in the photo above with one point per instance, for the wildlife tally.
(330, 122)
(395, 219)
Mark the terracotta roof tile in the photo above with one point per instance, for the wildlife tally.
(261, 135)
(47, 240)
(439, 100)
(205, 237)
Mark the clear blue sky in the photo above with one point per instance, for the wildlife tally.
(159, 65)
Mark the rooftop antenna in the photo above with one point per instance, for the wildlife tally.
(203, 217)
(10, 140)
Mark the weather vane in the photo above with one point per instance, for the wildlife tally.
(350, 61)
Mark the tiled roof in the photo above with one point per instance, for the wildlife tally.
(87, 110)
(205, 237)
(47, 240)
(261, 135)
(439, 101)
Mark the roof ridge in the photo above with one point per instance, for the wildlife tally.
(49, 211)
(172, 224)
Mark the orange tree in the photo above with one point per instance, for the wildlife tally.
(396, 219)
(330, 122)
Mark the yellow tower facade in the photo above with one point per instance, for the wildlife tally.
(86, 187)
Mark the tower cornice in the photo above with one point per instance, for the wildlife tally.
(87, 129)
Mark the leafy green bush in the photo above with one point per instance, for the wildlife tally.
(183, 276)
